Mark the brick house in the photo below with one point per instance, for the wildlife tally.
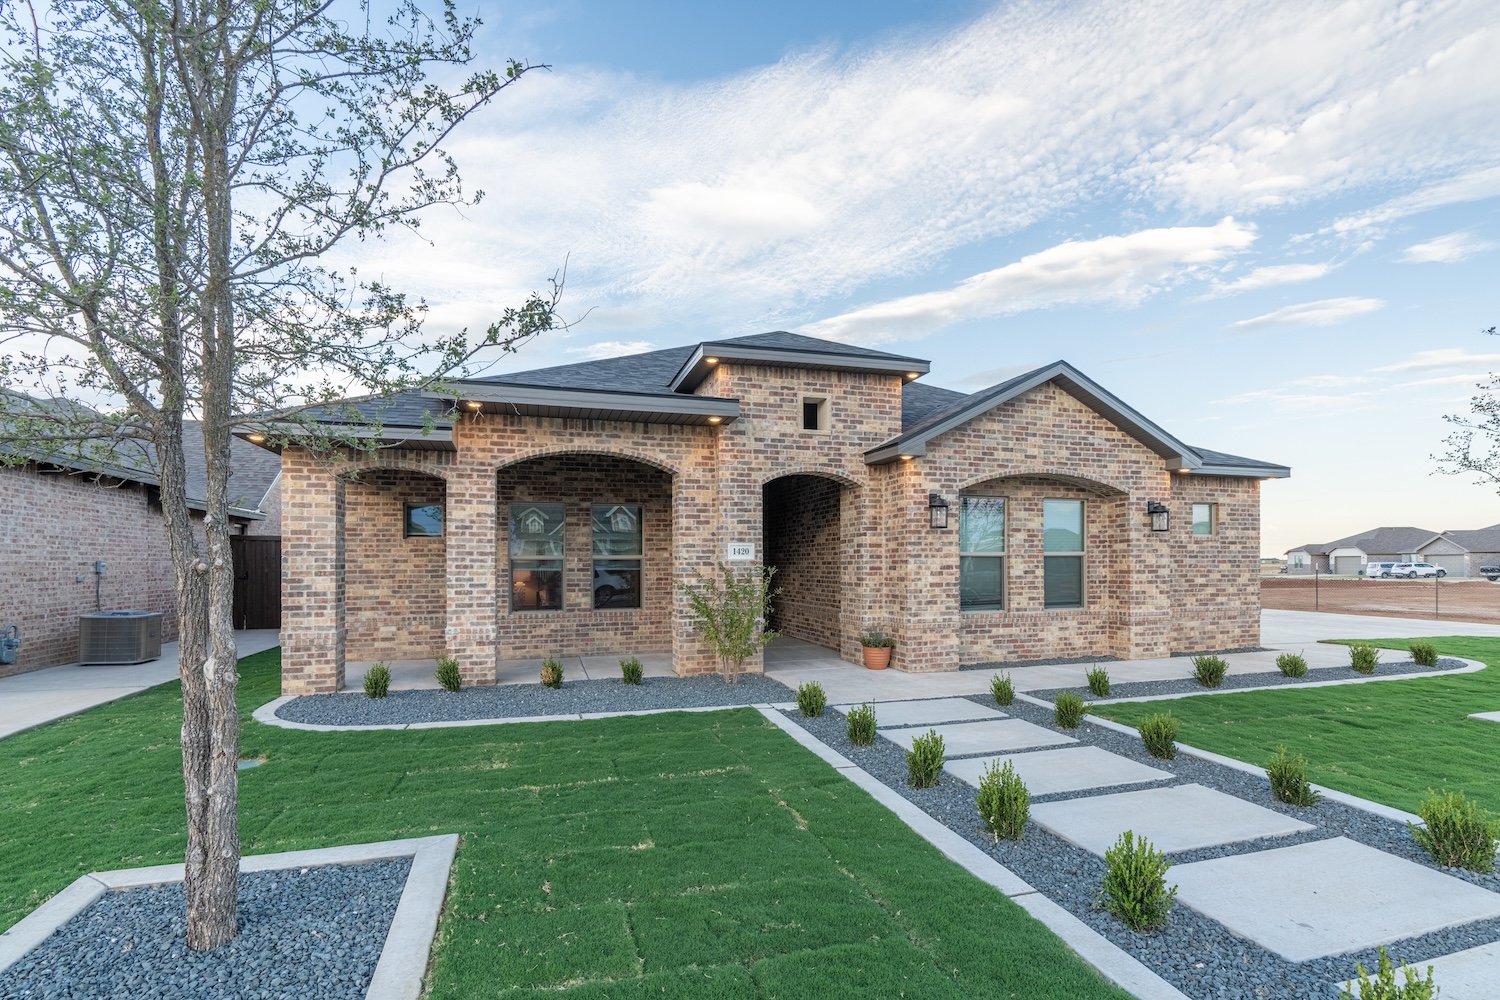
(556, 511)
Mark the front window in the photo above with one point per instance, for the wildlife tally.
(536, 556)
(1062, 544)
(618, 550)
(1205, 518)
(424, 520)
(981, 558)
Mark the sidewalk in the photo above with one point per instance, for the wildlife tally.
(32, 699)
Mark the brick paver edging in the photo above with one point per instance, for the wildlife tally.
(398, 974)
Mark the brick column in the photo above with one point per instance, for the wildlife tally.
(312, 579)
(695, 546)
(931, 624)
(470, 526)
(1144, 574)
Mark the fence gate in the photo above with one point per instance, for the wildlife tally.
(257, 581)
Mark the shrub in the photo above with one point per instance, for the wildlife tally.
(730, 613)
(630, 671)
(1099, 682)
(377, 681)
(1135, 884)
(1068, 710)
(1288, 774)
(1004, 803)
(1459, 833)
(1383, 986)
(862, 725)
(1159, 733)
(1003, 690)
(552, 673)
(1209, 670)
(1291, 665)
(924, 761)
(1423, 654)
(811, 699)
(448, 675)
(1363, 658)
(877, 640)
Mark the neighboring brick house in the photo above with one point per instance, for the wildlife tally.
(59, 517)
(558, 511)
(1464, 553)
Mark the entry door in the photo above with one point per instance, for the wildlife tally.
(257, 581)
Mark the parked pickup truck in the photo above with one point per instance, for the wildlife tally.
(1490, 573)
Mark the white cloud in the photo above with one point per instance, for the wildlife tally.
(1275, 274)
(1443, 357)
(1470, 378)
(1448, 249)
(612, 349)
(1329, 381)
(1303, 401)
(1470, 186)
(1324, 312)
(1115, 268)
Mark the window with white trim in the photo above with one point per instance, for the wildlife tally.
(1205, 519)
(1062, 553)
(981, 553)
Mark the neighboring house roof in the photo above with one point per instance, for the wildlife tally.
(252, 470)
(1378, 541)
(1476, 539)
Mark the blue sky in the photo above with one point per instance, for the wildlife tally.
(1273, 230)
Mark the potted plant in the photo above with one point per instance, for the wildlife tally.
(877, 649)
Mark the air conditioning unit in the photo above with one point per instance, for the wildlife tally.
(119, 637)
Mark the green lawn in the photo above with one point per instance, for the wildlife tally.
(689, 855)
(1388, 741)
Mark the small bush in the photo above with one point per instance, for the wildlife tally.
(1291, 665)
(552, 673)
(1099, 682)
(924, 761)
(1003, 690)
(1209, 670)
(1068, 710)
(811, 699)
(1288, 774)
(1383, 986)
(1423, 654)
(877, 640)
(862, 725)
(1459, 833)
(377, 681)
(1363, 658)
(448, 675)
(1004, 803)
(1135, 883)
(630, 671)
(1159, 733)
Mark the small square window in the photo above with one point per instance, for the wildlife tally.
(814, 413)
(1205, 518)
(424, 520)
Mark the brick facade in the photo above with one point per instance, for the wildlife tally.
(395, 588)
(851, 541)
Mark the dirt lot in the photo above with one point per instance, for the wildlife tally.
(1459, 600)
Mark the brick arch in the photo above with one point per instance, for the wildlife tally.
(556, 451)
(1069, 476)
(812, 470)
(437, 467)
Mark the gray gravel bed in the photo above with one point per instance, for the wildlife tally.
(1240, 682)
(304, 932)
(509, 701)
(1195, 954)
(1055, 661)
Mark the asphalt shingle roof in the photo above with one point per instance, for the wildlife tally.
(1477, 539)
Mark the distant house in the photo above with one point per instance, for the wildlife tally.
(1348, 556)
(1461, 553)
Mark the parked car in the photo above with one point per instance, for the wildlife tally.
(1413, 570)
(1490, 573)
(1378, 569)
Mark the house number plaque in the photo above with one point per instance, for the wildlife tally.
(741, 552)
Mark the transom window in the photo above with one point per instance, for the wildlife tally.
(618, 550)
(423, 520)
(1062, 544)
(1205, 518)
(981, 558)
(536, 556)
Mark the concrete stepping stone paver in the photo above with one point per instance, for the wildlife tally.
(1181, 818)
(1464, 975)
(929, 712)
(989, 736)
(1073, 769)
(1328, 897)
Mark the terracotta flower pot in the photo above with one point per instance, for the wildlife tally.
(877, 657)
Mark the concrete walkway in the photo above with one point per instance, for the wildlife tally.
(35, 698)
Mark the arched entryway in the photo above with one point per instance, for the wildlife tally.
(805, 536)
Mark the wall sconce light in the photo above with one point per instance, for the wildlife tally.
(1159, 515)
(937, 511)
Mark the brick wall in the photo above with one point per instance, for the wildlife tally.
(395, 587)
(53, 526)
(802, 537)
(1215, 582)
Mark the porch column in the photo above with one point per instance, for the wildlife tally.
(1145, 575)
(312, 599)
(470, 527)
(695, 546)
(930, 632)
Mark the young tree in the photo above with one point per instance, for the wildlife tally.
(731, 613)
(172, 175)
(1474, 448)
